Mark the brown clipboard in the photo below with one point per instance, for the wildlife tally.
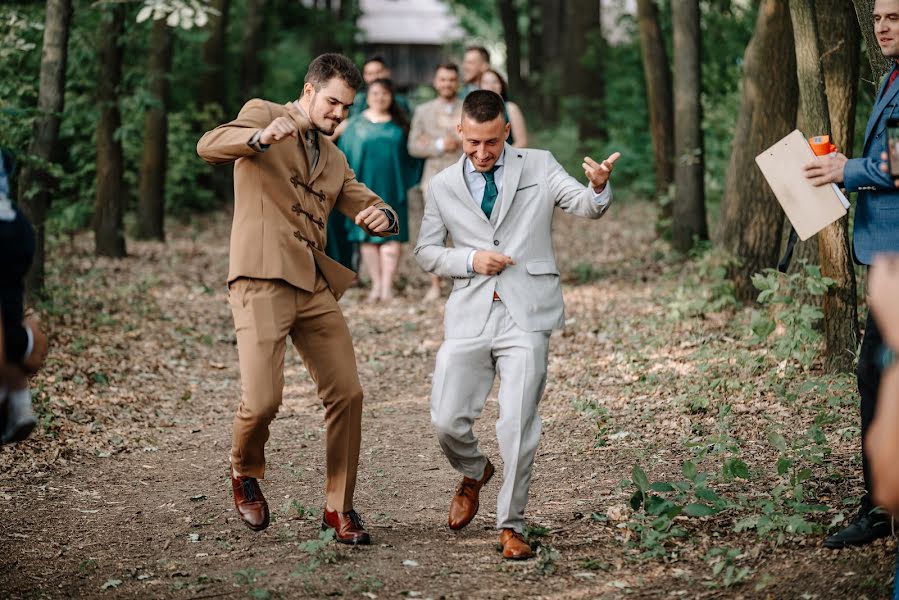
(809, 208)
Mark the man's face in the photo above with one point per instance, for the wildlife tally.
(375, 70)
(446, 82)
(328, 106)
(483, 142)
(886, 26)
(473, 65)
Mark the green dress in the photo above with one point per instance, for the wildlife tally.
(377, 153)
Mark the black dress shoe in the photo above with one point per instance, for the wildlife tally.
(867, 526)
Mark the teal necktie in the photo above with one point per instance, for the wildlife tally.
(490, 191)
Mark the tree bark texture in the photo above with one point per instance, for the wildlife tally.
(151, 203)
(657, 73)
(552, 20)
(880, 65)
(109, 235)
(841, 45)
(688, 211)
(34, 183)
(535, 62)
(840, 310)
(582, 76)
(509, 16)
(251, 48)
(751, 218)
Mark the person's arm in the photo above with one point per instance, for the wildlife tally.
(364, 207)
(431, 252)
(243, 136)
(882, 442)
(423, 145)
(519, 128)
(854, 174)
(572, 196)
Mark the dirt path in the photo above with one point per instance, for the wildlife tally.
(123, 491)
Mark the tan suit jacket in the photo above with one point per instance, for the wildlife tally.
(432, 121)
(280, 209)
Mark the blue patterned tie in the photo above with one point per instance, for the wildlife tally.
(490, 191)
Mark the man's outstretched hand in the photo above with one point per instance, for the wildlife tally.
(599, 173)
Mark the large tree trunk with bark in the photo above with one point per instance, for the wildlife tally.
(151, 203)
(551, 28)
(751, 218)
(109, 235)
(251, 48)
(840, 310)
(688, 211)
(880, 64)
(840, 39)
(34, 183)
(582, 76)
(509, 16)
(658, 94)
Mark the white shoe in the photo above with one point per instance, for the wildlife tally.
(20, 421)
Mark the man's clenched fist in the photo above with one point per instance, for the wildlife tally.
(278, 130)
(490, 263)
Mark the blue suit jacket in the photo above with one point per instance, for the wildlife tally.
(876, 227)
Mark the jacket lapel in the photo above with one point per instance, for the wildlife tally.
(458, 185)
(513, 163)
(303, 125)
(881, 104)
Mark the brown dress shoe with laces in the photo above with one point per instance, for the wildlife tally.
(465, 503)
(514, 546)
(250, 503)
(348, 527)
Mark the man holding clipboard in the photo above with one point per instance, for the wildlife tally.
(875, 231)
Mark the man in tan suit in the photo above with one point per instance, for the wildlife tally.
(288, 177)
(433, 135)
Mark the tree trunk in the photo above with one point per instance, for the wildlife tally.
(151, 204)
(751, 218)
(251, 48)
(213, 82)
(34, 192)
(582, 76)
(880, 64)
(658, 94)
(535, 30)
(553, 16)
(109, 236)
(509, 17)
(688, 212)
(840, 311)
(840, 35)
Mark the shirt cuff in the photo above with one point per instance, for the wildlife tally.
(255, 144)
(602, 198)
(470, 262)
(29, 347)
(439, 145)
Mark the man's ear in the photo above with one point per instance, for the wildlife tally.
(308, 89)
(508, 130)
(459, 129)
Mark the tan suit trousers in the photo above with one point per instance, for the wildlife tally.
(265, 312)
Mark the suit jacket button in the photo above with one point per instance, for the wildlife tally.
(496, 242)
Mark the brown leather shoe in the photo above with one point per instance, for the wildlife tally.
(465, 503)
(250, 503)
(348, 527)
(514, 546)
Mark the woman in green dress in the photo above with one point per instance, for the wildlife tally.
(374, 142)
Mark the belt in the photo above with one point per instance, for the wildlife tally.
(496, 297)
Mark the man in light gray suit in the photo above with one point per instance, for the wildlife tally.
(497, 203)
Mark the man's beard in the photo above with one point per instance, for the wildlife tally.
(320, 127)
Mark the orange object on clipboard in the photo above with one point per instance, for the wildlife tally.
(821, 145)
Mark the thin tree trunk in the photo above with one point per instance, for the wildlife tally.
(535, 30)
(509, 16)
(583, 76)
(657, 73)
(251, 48)
(213, 82)
(43, 144)
(751, 218)
(840, 311)
(151, 204)
(688, 212)
(840, 36)
(880, 65)
(553, 16)
(109, 235)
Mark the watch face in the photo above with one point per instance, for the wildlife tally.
(885, 357)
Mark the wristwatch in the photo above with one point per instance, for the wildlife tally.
(885, 357)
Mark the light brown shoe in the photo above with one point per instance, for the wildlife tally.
(465, 503)
(514, 546)
(250, 503)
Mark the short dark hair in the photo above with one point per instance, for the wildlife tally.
(376, 58)
(449, 66)
(480, 50)
(328, 66)
(483, 106)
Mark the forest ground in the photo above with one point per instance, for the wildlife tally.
(122, 491)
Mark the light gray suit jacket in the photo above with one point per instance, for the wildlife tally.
(534, 183)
